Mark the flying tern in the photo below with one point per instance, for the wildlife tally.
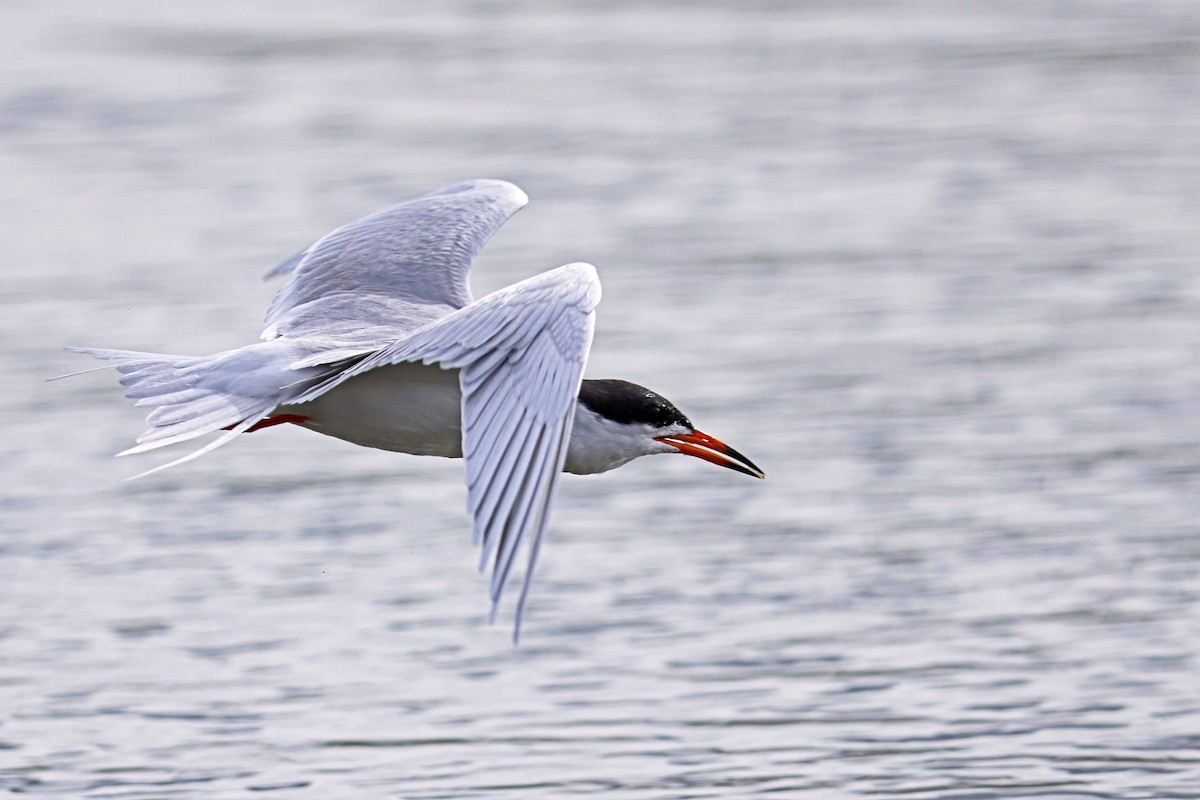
(375, 339)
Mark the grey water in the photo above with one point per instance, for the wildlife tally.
(932, 265)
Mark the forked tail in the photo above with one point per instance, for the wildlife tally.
(195, 395)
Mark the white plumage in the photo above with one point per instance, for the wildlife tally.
(375, 339)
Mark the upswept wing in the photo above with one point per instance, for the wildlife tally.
(392, 272)
(521, 353)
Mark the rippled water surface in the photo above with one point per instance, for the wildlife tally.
(932, 265)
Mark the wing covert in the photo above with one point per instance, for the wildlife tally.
(520, 353)
(396, 269)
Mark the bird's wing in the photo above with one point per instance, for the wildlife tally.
(520, 353)
(396, 270)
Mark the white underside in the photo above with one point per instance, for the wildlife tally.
(413, 408)
(408, 408)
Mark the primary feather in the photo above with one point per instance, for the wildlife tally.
(390, 290)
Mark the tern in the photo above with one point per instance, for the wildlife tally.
(375, 339)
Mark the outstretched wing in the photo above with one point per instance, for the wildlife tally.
(396, 270)
(520, 353)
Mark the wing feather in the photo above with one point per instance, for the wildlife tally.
(482, 454)
(520, 353)
(486, 456)
(495, 501)
(534, 477)
(489, 408)
(391, 272)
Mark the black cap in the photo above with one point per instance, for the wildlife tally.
(628, 403)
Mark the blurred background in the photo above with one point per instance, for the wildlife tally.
(932, 265)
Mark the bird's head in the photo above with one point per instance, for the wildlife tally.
(617, 421)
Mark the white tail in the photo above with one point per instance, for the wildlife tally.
(195, 395)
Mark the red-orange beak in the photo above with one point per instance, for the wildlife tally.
(714, 451)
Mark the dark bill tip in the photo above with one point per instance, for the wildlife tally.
(712, 450)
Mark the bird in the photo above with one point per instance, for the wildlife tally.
(375, 339)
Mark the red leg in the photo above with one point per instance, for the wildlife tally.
(278, 419)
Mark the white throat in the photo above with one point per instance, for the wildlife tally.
(599, 444)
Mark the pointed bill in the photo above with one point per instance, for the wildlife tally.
(712, 450)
